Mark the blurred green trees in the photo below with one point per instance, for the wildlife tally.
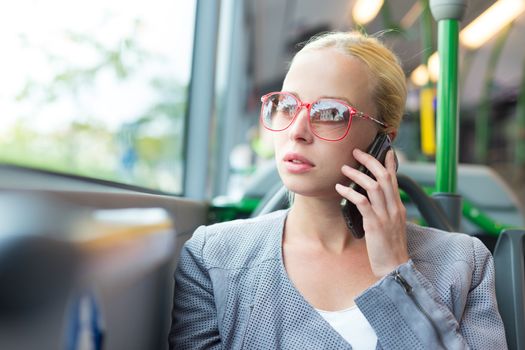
(145, 149)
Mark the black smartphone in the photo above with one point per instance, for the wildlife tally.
(351, 214)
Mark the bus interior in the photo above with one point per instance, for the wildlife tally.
(125, 126)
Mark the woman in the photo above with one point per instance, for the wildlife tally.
(297, 279)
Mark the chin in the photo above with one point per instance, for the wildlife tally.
(308, 188)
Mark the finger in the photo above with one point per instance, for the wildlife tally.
(361, 202)
(382, 175)
(391, 166)
(392, 170)
(395, 205)
(370, 162)
(390, 184)
(379, 171)
(372, 188)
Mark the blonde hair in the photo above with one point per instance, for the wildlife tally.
(389, 85)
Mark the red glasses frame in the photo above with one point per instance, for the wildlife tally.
(300, 104)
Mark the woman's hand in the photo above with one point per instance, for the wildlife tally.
(384, 215)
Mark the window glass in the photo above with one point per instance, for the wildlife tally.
(96, 88)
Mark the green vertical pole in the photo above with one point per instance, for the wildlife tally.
(448, 13)
(447, 106)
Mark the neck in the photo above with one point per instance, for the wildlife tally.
(318, 221)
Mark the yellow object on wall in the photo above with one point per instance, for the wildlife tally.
(427, 116)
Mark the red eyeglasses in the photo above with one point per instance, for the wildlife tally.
(329, 119)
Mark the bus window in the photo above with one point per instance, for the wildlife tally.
(96, 88)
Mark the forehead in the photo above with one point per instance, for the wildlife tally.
(329, 72)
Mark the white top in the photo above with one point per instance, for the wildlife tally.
(352, 325)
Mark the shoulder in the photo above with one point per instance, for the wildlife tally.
(240, 243)
(442, 248)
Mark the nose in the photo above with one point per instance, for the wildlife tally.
(300, 128)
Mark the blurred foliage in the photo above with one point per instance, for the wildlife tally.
(145, 152)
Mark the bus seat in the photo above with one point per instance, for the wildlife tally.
(496, 199)
(277, 198)
(115, 251)
(509, 260)
(480, 185)
(37, 276)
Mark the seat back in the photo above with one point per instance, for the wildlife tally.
(509, 259)
(277, 198)
(37, 276)
(90, 266)
(496, 199)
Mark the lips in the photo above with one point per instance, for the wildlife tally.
(296, 163)
(297, 158)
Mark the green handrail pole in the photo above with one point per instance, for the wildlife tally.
(448, 13)
(447, 106)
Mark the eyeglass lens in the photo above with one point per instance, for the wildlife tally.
(329, 119)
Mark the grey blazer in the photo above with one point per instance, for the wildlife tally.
(232, 292)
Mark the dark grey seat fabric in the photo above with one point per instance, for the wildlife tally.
(509, 259)
(37, 277)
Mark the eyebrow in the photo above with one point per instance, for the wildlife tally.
(327, 96)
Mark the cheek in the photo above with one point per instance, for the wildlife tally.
(361, 138)
(277, 144)
(344, 157)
